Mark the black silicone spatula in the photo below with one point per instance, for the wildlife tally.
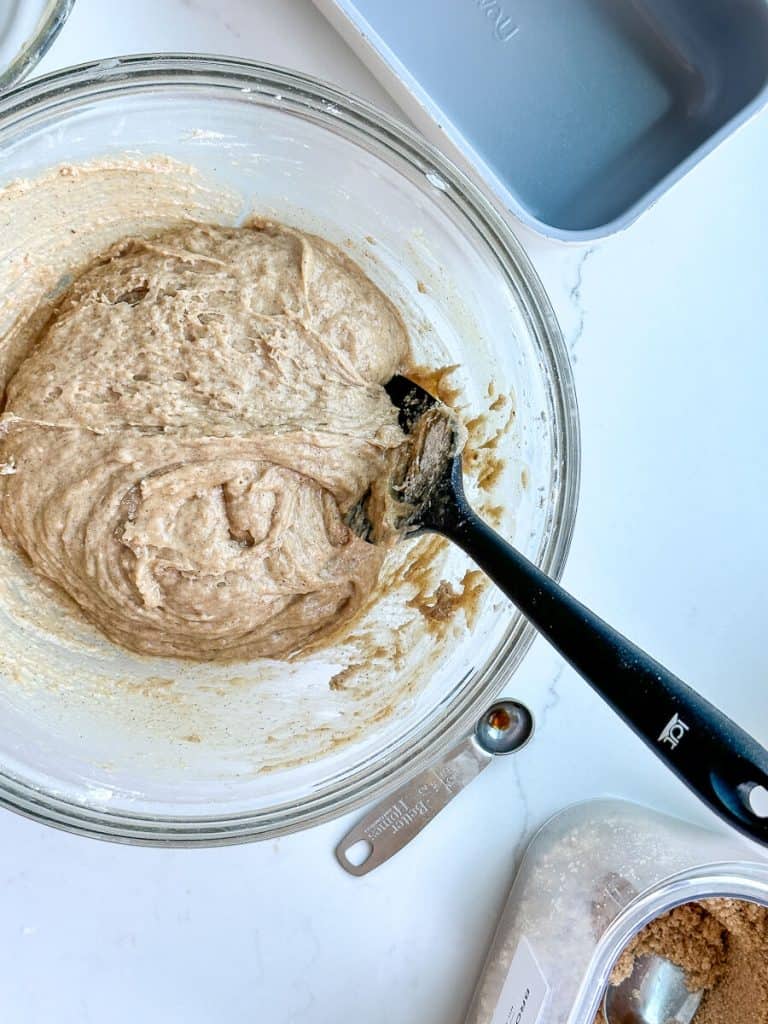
(713, 756)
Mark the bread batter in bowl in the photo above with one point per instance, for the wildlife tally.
(143, 468)
(161, 749)
(182, 441)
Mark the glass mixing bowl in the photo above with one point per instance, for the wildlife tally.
(27, 29)
(159, 751)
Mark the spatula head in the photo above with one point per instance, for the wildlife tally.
(411, 399)
(426, 487)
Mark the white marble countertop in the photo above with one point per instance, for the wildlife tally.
(667, 326)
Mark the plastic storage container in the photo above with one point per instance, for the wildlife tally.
(592, 878)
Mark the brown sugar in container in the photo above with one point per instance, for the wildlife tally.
(591, 879)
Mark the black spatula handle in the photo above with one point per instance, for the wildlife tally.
(715, 758)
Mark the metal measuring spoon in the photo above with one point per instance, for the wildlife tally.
(505, 727)
(654, 993)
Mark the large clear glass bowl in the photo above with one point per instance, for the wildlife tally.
(299, 150)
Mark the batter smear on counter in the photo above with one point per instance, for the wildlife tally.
(183, 441)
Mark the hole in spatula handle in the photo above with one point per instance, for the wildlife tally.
(758, 801)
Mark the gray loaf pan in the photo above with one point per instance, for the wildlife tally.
(578, 114)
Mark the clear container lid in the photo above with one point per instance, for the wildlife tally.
(591, 878)
(27, 29)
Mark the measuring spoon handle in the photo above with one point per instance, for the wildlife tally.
(392, 824)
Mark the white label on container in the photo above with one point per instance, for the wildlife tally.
(525, 989)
